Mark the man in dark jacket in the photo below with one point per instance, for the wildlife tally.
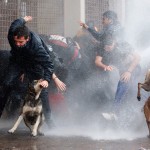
(29, 58)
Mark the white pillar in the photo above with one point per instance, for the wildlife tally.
(74, 11)
(82, 10)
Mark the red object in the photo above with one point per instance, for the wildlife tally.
(57, 103)
(56, 98)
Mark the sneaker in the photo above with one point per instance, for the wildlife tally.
(141, 148)
(110, 116)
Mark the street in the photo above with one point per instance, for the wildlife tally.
(71, 138)
(22, 141)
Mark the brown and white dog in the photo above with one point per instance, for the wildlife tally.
(146, 87)
(32, 112)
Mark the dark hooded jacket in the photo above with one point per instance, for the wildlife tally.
(33, 54)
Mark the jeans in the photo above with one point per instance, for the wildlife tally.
(123, 89)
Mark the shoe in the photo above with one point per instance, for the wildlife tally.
(110, 116)
(141, 148)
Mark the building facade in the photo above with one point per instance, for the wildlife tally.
(55, 16)
(47, 16)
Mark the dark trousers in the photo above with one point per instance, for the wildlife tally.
(11, 81)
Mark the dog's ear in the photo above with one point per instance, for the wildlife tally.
(37, 81)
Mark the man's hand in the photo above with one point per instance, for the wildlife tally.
(83, 25)
(27, 18)
(109, 68)
(125, 77)
(44, 83)
(60, 85)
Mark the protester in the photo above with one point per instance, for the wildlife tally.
(15, 96)
(69, 55)
(115, 53)
(29, 59)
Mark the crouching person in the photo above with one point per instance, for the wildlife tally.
(29, 57)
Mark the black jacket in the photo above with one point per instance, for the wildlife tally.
(34, 53)
(108, 34)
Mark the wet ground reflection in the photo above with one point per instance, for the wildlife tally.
(22, 140)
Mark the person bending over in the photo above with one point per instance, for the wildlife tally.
(29, 58)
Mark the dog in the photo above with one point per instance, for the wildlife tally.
(146, 108)
(145, 85)
(32, 111)
(147, 114)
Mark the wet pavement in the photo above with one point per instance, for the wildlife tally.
(79, 134)
(21, 140)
